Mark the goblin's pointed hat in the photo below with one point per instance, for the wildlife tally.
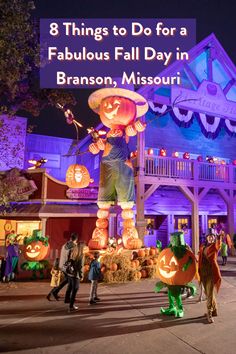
(177, 239)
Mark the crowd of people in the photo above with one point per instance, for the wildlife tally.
(68, 269)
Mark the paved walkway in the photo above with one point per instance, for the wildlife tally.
(126, 321)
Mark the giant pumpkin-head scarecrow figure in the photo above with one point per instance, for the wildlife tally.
(35, 250)
(176, 268)
(118, 109)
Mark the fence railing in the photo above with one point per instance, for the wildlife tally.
(188, 169)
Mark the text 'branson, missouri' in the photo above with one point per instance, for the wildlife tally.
(135, 78)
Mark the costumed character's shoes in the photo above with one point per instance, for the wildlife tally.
(73, 309)
(97, 299)
(171, 311)
(209, 318)
(179, 314)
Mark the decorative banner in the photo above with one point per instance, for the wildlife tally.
(209, 99)
(86, 193)
(210, 125)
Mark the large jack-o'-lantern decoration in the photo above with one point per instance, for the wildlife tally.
(118, 108)
(36, 249)
(176, 268)
(171, 270)
(77, 176)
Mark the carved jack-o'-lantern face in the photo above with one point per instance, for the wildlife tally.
(116, 110)
(176, 271)
(35, 251)
(77, 176)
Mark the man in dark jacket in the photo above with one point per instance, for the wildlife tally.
(65, 252)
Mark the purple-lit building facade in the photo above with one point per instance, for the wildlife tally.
(199, 118)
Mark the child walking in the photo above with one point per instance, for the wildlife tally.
(56, 278)
(94, 276)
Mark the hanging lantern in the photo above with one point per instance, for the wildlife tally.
(186, 156)
(210, 159)
(175, 154)
(150, 151)
(162, 152)
(77, 176)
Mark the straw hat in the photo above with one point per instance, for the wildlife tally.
(96, 98)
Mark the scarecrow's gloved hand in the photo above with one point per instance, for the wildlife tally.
(130, 130)
(101, 144)
(139, 126)
(94, 149)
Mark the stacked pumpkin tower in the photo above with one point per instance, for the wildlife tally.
(118, 109)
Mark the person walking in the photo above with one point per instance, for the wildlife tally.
(12, 257)
(209, 273)
(74, 271)
(66, 248)
(225, 245)
(94, 276)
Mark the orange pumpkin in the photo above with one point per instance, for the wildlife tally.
(35, 251)
(117, 110)
(128, 223)
(147, 252)
(144, 273)
(86, 268)
(103, 269)
(141, 253)
(127, 214)
(133, 243)
(150, 262)
(128, 235)
(114, 267)
(77, 176)
(152, 251)
(102, 223)
(103, 214)
(170, 269)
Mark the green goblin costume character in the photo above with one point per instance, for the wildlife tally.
(176, 268)
(36, 248)
(118, 108)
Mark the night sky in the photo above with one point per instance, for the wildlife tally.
(211, 15)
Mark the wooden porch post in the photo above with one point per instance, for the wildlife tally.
(140, 186)
(230, 216)
(195, 222)
(170, 224)
(194, 199)
(44, 224)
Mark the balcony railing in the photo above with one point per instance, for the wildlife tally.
(188, 169)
